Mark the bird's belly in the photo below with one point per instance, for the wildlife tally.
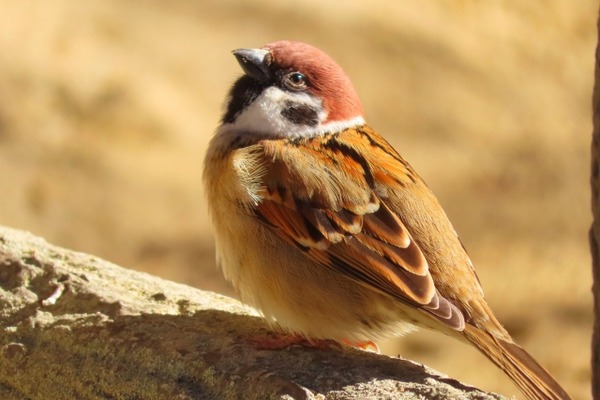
(302, 296)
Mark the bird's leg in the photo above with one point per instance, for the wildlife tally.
(280, 340)
(367, 345)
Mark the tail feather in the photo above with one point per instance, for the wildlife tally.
(533, 380)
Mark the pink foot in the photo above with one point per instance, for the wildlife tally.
(368, 345)
(279, 341)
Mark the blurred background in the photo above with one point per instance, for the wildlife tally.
(107, 106)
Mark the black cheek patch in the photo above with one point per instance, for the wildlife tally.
(242, 94)
(301, 114)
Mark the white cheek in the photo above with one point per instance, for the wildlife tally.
(265, 114)
(263, 118)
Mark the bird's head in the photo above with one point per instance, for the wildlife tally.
(291, 89)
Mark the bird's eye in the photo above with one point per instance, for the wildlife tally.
(296, 80)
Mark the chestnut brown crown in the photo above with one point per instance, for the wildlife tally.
(293, 87)
(326, 79)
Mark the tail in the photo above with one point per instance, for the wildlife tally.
(533, 380)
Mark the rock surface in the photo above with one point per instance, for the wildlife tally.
(77, 327)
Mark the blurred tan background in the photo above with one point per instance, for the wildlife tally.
(106, 108)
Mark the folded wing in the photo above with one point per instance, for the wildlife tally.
(321, 195)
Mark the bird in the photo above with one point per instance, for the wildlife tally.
(327, 230)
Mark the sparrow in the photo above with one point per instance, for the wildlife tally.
(321, 225)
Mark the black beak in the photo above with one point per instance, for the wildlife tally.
(254, 62)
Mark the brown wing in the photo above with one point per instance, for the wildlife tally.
(321, 195)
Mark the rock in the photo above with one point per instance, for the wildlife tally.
(77, 327)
